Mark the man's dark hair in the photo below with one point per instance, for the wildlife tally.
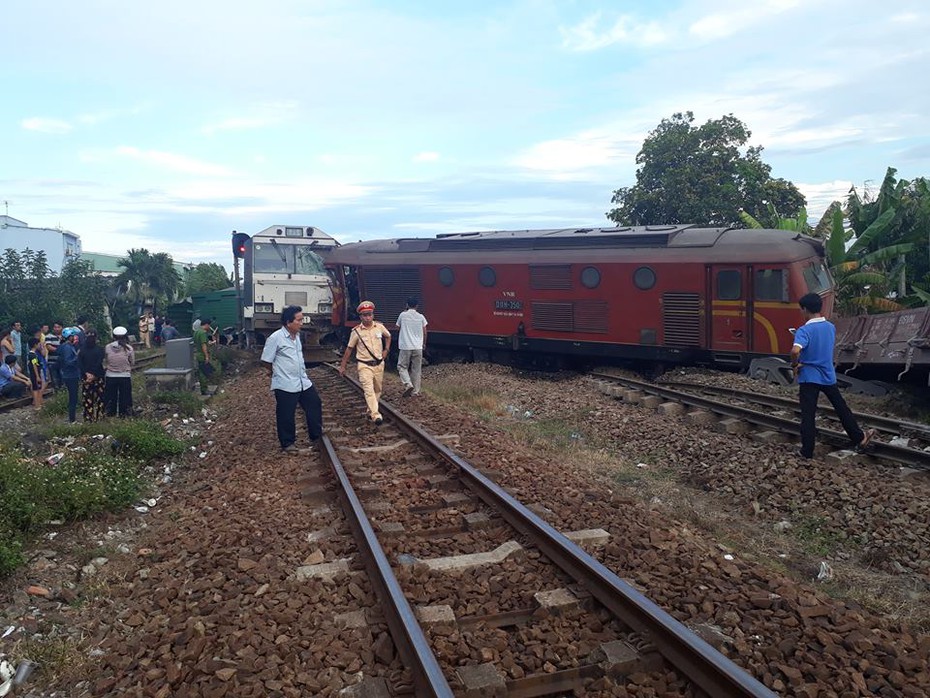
(15, 322)
(33, 341)
(289, 313)
(59, 323)
(811, 302)
(81, 320)
(204, 321)
(10, 359)
(169, 321)
(413, 302)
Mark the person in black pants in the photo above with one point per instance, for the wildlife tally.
(92, 376)
(289, 380)
(812, 362)
(118, 359)
(70, 368)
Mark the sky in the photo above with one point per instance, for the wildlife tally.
(168, 125)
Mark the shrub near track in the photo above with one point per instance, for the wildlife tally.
(101, 475)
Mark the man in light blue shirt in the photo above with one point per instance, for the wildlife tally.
(289, 381)
(812, 361)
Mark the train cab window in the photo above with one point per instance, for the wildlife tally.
(817, 278)
(771, 285)
(487, 277)
(306, 261)
(446, 276)
(644, 278)
(590, 277)
(729, 285)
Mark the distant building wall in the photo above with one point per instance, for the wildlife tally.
(59, 246)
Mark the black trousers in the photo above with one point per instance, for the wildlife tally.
(72, 385)
(285, 408)
(808, 394)
(117, 396)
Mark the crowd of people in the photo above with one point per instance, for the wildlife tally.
(69, 358)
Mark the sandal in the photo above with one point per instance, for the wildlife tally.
(866, 442)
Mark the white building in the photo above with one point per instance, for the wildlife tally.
(60, 246)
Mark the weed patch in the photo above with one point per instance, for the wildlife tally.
(185, 402)
(138, 439)
(81, 484)
(815, 535)
(473, 399)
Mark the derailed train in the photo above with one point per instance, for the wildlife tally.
(664, 294)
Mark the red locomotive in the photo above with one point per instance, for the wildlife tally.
(668, 294)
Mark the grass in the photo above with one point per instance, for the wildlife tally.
(485, 402)
(104, 475)
(58, 658)
(185, 402)
(814, 535)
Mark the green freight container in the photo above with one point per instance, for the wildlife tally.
(219, 306)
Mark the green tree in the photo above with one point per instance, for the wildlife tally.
(148, 277)
(207, 277)
(702, 175)
(891, 234)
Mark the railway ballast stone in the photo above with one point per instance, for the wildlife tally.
(482, 681)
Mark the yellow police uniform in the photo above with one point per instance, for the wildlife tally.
(368, 350)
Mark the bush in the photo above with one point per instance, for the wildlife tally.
(82, 484)
(186, 403)
(140, 439)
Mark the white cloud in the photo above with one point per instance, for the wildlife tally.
(44, 125)
(592, 33)
(97, 117)
(426, 156)
(174, 162)
(822, 194)
(257, 116)
(723, 24)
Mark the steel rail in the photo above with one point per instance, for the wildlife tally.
(888, 424)
(706, 667)
(408, 636)
(902, 455)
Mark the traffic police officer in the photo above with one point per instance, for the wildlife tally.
(371, 341)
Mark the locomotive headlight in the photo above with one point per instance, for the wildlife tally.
(264, 307)
(324, 308)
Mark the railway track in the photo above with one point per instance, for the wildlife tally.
(778, 414)
(481, 595)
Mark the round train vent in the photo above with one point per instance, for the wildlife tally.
(487, 277)
(446, 276)
(644, 278)
(590, 277)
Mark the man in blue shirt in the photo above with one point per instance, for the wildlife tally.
(812, 361)
(290, 383)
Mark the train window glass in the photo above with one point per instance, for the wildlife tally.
(306, 261)
(729, 285)
(446, 276)
(590, 277)
(644, 278)
(771, 285)
(270, 259)
(817, 278)
(487, 277)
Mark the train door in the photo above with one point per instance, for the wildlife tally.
(730, 312)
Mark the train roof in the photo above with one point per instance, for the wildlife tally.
(759, 244)
(296, 232)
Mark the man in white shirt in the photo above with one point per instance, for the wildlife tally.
(411, 343)
(290, 383)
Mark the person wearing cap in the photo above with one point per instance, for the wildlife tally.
(118, 360)
(411, 342)
(370, 341)
(70, 367)
(283, 353)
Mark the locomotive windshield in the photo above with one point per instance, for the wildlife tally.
(270, 258)
(817, 278)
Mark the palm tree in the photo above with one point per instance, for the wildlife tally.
(146, 276)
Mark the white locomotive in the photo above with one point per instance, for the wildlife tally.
(284, 265)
